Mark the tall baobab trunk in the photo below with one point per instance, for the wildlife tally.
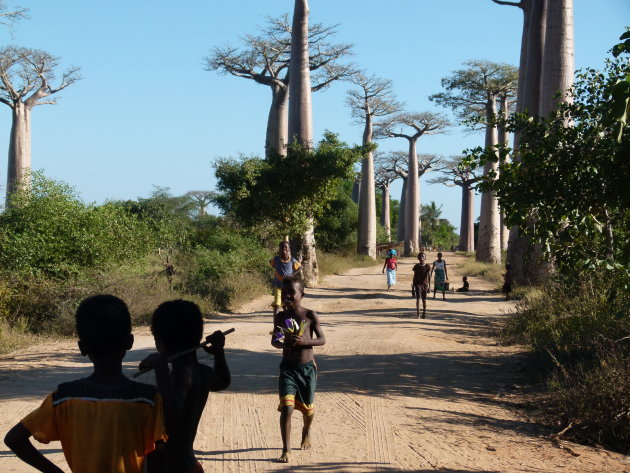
(400, 228)
(412, 204)
(488, 242)
(19, 148)
(277, 122)
(385, 211)
(528, 101)
(504, 139)
(467, 224)
(301, 121)
(366, 238)
(558, 60)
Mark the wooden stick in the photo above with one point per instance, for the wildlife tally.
(182, 353)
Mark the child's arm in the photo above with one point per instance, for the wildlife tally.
(220, 378)
(316, 328)
(445, 272)
(18, 440)
(172, 386)
(385, 264)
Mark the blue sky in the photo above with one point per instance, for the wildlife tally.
(147, 114)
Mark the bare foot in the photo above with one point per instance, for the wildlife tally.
(285, 457)
(306, 441)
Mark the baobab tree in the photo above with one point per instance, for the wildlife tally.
(454, 174)
(10, 16)
(384, 177)
(373, 97)
(202, 199)
(506, 106)
(545, 73)
(265, 60)
(397, 162)
(301, 121)
(473, 93)
(412, 126)
(26, 80)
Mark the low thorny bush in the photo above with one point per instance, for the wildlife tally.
(579, 332)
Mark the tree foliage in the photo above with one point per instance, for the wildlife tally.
(47, 230)
(568, 189)
(284, 191)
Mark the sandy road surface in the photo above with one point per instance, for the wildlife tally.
(394, 393)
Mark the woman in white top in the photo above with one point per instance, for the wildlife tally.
(439, 267)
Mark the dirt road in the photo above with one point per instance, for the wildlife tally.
(394, 393)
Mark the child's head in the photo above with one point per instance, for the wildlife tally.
(292, 291)
(176, 326)
(465, 278)
(439, 255)
(104, 326)
(422, 256)
(284, 250)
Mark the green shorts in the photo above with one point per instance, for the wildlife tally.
(297, 386)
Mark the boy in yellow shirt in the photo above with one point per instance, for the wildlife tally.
(105, 422)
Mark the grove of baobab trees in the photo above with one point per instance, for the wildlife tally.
(473, 93)
(372, 97)
(26, 81)
(456, 174)
(412, 126)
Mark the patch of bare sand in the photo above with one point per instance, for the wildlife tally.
(394, 393)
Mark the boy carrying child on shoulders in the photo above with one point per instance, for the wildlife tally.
(285, 266)
(105, 422)
(294, 331)
(178, 326)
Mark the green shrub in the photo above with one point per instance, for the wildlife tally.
(48, 230)
(224, 268)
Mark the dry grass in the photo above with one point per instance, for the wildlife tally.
(488, 271)
(339, 263)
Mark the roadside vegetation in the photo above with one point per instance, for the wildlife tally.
(568, 194)
(56, 250)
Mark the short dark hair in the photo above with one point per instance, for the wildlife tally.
(178, 324)
(422, 253)
(103, 324)
(295, 278)
(283, 242)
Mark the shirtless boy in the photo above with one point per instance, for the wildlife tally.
(298, 372)
(421, 283)
(178, 326)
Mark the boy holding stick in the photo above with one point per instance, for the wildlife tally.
(177, 326)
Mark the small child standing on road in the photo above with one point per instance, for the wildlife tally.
(285, 266)
(178, 326)
(392, 266)
(301, 331)
(105, 422)
(421, 283)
